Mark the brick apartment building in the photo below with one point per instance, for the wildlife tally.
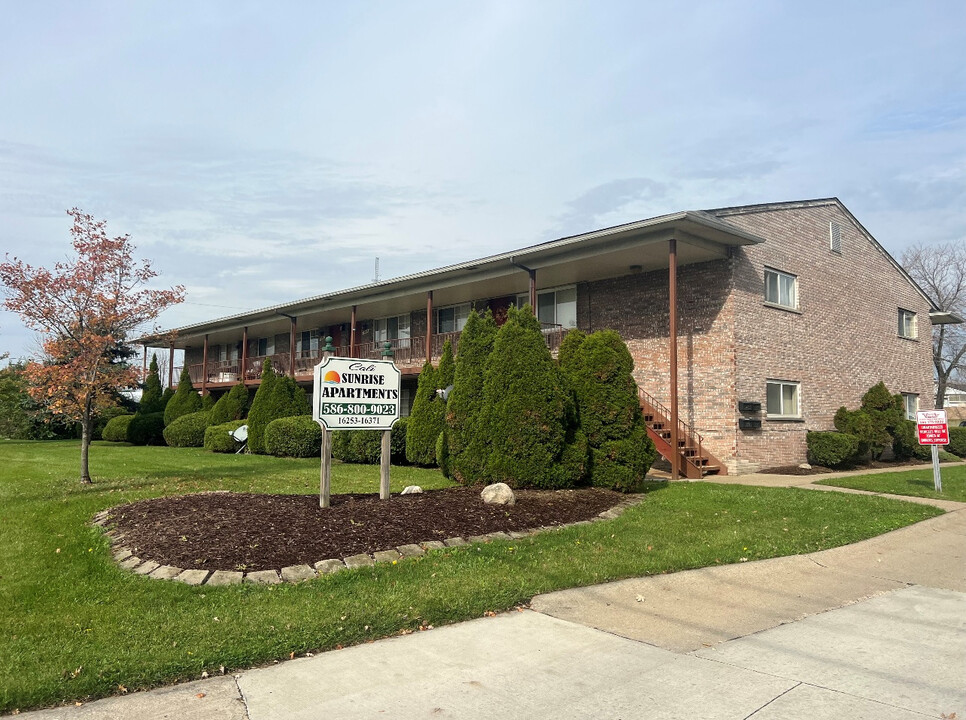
(782, 312)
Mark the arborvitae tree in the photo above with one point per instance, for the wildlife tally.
(259, 416)
(207, 401)
(288, 399)
(468, 448)
(599, 368)
(885, 415)
(423, 426)
(230, 406)
(447, 367)
(530, 416)
(166, 397)
(151, 393)
(185, 400)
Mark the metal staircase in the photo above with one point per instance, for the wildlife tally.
(693, 460)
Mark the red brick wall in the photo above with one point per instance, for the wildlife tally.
(636, 306)
(843, 340)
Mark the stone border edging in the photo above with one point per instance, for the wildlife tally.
(127, 560)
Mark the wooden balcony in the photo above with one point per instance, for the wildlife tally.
(409, 354)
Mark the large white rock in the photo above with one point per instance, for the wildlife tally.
(498, 494)
(411, 490)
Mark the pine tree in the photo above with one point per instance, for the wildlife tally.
(468, 448)
(185, 400)
(259, 416)
(530, 416)
(599, 369)
(151, 395)
(423, 428)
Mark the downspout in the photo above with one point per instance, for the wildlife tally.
(673, 350)
(533, 284)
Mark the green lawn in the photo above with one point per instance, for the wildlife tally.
(74, 626)
(917, 483)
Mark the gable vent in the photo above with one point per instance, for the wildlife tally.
(835, 237)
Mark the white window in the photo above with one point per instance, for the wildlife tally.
(907, 324)
(910, 403)
(783, 398)
(781, 289)
(392, 328)
(264, 347)
(554, 307)
(453, 318)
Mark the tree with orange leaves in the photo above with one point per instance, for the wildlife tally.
(85, 309)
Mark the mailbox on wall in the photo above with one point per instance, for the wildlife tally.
(749, 424)
(748, 406)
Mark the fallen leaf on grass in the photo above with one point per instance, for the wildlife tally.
(122, 689)
(200, 695)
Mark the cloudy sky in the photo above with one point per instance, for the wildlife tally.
(260, 152)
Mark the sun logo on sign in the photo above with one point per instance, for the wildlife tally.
(332, 378)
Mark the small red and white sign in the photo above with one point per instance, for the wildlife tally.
(932, 428)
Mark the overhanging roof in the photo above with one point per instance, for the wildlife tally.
(612, 252)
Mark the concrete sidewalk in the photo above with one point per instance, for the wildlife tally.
(871, 630)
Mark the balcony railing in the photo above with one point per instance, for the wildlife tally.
(408, 354)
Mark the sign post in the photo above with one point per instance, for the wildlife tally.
(354, 394)
(932, 429)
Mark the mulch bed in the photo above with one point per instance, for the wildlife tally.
(242, 531)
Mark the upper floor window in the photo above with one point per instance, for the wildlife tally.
(391, 328)
(781, 289)
(554, 307)
(453, 318)
(307, 343)
(907, 324)
(783, 398)
(264, 346)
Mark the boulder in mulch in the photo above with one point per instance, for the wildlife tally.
(498, 494)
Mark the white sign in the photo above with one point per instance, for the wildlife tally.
(354, 394)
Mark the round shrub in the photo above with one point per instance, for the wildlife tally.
(298, 436)
(957, 441)
(366, 446)
(831, 449)
(146, 429)
(188, 430)
(103, 418)
(116, 428)
(219, 439)
(904, 442)
(341, 445)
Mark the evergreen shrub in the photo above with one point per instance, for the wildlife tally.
(260, 412)
(365, 446)
(467, 445)
(530, 417)
(905, 444)
(218, 439)
(425, 420)
(188, 430)
(957, 441)
(185, 399)
(831, 449)
(116, 428)
(147, 429)
(297, 436)
(151, 393)
(397, 441)
(103, 418)
(599, 370)
(230, 406)
(207, 401)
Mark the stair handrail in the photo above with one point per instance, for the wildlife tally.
(686, 431)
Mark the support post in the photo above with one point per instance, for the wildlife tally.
(144, 363)
(533, 292)
(384, 465)
(170, 364)
(204, 368)
(673, 351)
(429, 325)
(325, 478)
(937, 480)
(291, 350)
(352, 333)
(244, 354)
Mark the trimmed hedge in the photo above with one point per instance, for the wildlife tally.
(146, 429)
(103, 418)
(298, 436)
(116, 428)
(230, 406)
(217, 438)
(188, 430)
(957, 441)
(831, 449)
(365, 446)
